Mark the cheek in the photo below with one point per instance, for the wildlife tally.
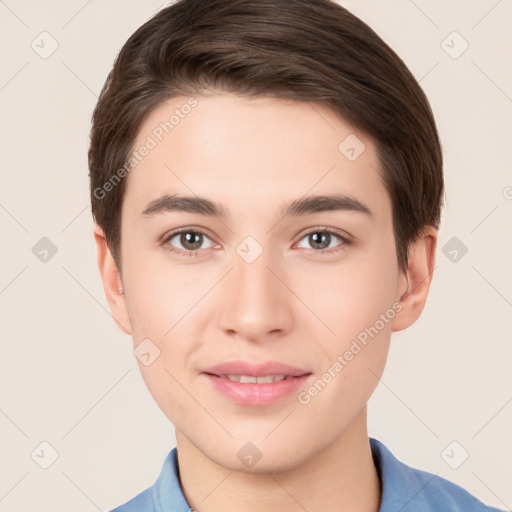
(362, 319)
(352, 296)
(357, 302)
(169, 305)
(160, 295)
(355, 357)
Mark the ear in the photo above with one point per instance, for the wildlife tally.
(414, 283)
(112, 283)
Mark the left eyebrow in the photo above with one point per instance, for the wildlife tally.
(324, 203)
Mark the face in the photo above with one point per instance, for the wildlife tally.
(256, 276)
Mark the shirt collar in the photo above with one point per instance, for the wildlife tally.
(401, 485)
(167, 492)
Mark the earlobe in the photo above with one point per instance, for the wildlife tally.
(415, 281)
(112, 282)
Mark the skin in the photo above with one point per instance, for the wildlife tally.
(292, 304)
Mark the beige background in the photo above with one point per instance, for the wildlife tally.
(68, 376)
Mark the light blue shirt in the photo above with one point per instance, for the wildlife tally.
(404, 489)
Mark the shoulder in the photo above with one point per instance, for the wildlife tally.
(165, 495)
(409, 489)
(143, 502)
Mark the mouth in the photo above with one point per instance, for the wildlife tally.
(255, 370)
(255, 384)
(253, 379)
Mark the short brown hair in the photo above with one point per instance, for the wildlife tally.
(306, 50)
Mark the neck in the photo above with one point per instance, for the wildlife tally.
(340, 478)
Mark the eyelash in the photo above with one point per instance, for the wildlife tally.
(344, 239)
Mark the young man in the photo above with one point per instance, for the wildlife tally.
(266, 180)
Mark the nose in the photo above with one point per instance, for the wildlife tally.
(255, 304)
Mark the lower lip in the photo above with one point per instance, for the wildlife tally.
(254, 393)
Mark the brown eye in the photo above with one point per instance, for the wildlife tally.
(187, 241)
(321, 239)
(191, 240)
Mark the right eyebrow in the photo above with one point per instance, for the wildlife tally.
(190, 204)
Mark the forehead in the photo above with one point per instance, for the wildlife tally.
(250, 151)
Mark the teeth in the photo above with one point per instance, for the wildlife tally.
(251, 379)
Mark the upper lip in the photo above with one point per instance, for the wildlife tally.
(255, 369)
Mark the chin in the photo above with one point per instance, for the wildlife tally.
(257, 457)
